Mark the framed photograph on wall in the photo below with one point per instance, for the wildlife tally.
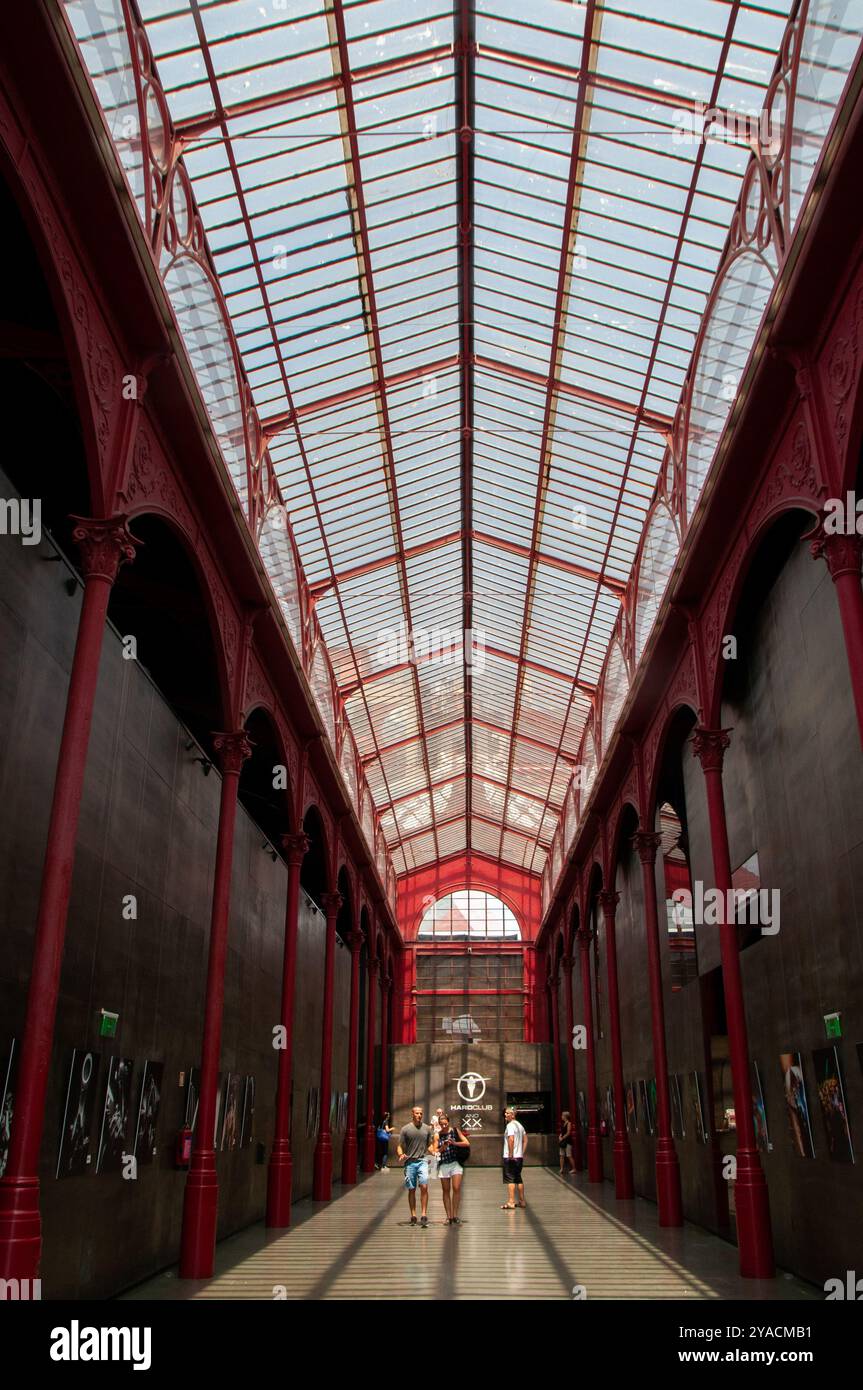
(149, 1102)
(193, 1096)
(312, 1112)
(678, 1124)
(8, 1071)
(581, 1103)
(696, 1106)
(834, 1108)
(797, 1103)
(631, 1109)
(247, 1128)
(75, 1150)
(759, 1111)
(645, 1107)
(651, 1100)
(233, 1113)
(612, 1114)
(116, 1114)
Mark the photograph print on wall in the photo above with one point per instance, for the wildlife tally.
(8, 1069)
(75, 1150)
(797, 1103)
(148, 1111)
(834, 1109)
(114, 1136)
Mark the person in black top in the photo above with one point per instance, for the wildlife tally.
(452, 1146)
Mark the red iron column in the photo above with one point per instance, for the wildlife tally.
(371, 1118)
(594, 1142)
(554, 1005)
(844, 555)
(279, 1174)
(668, 1193)
(104, 545)
(386, 987)
(201, 1194)
(322, 1172)
(754, 1234)
(568, 963)
(349, 1147)
(624, 1184)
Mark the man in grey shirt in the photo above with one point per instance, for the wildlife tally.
(416, 1142)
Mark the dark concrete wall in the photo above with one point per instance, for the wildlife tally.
(426, 1074)
(148, 828)
(793, 782)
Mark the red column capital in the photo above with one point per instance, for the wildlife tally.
(232, 750)
(843, 553)
(646, 844)
(608, 901)
(709, 745)
(374, 966)
(331, 902)
(567, 964)
(296, 848)
(104, 544)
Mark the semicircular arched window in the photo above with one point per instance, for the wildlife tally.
(658, 554)
(469, 915)
(322, 689)
(208, 343)
(734, 319)
(278, 556)
(615, 688)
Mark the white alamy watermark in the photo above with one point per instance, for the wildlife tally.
(438, 646)
(712, 907)
(714, 124)
(77, 1343)
(843, 516)
(850, 1288)
(21, 516)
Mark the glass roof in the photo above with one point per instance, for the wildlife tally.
(466, 255)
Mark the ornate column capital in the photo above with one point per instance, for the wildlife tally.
(356, 941)
(331, 902)
(296, 848)
(568, 964)
(646, 844)
(232, 750)
(104, 544)
(553, 982)
(374, 966)
(584, 936)
(709, 745)
(608, 901)
(843, 553)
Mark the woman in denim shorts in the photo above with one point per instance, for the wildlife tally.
(452, 1147)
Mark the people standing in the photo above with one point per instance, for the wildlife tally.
(567, 1162)
(382, 1142)
(452, 1147)
(416, 1142)
(435, 1123)
(514, 1150)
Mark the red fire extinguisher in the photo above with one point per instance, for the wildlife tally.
(183, 1150)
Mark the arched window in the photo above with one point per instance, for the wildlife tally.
(469, 915)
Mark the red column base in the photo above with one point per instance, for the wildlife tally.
(322, 1174)
(200, 1212)
(624, 1182)
(754, 1235)
(349, 1159)
(594, 1157)
(279, 1181)
(668, 1195)
(20, 1228)
(369, 1152)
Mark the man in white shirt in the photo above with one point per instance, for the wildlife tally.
(514, 1150)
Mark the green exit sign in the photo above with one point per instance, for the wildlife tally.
(108, 1024)
(833, 1025)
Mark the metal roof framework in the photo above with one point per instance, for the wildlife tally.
(466, 251)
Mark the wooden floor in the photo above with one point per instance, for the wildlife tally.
(359, 1246)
